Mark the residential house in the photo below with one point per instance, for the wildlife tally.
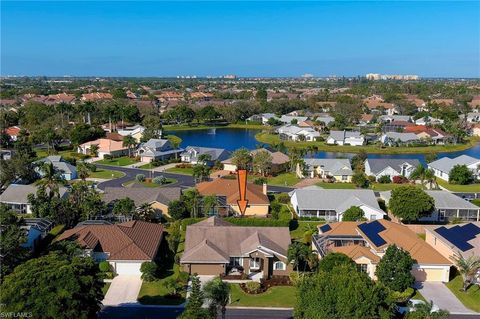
(447, 206)
(157, 149)
(366, 119)
(395, 118)
(454, 240)
(215, 247)
(390, 167)
(64, 168)
(6, 154)
(125, 246)
(442, 102)
(295, 133)
(428, 120)
(36, 229)
(444, 165)
(395, 138)
(12, 132)
(324, 118)
(135, 131)
(105, 147)
(227, 194)
(192, 153)
(330, 204)
(280, 161)
(428, 134)
(53, 99)
(15, 197)
(367, 242)
(96, 96)
(473, 117)
(287, 119)
(338, 169)
(345, 138)
(157, 197)
(263, 118)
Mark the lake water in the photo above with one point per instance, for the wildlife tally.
(232, 139)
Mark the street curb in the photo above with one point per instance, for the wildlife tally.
(261, 308)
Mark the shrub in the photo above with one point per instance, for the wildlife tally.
(91, 167)
(400, 179)
(456, 220)
(353, 214)
(402, 296)
(159, 180)
(385, 179)
(107, 157)
(294, 277)
(260, 181)
(275, 207)
(140, 178)
(252, 286)
(371, 179)
(104, 266)
(283, 198)
(259, 222)
(183, 277)
(149, 270)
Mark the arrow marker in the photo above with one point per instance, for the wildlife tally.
(242, 190)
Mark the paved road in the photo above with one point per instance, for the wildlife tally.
(140, 312)
(442, 297)
(124, 289)
(182, 180)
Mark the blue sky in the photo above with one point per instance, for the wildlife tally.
(243, 38)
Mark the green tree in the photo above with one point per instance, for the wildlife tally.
(358, 161)
(262, 162)
(129, 142)
(353, 214)
(124, 207)
(176, 209)
(410, 203)
(333, 260)
(145, 212)
(360, 179)
(297, 254)
(242, 158)
(149, 270)
(174, 236)
(193, 309)
(468, 268)
(82, 171)
(94, 150)
(12, 236)
(460, 174)
(153, 127)
(54, 286)
(86, 200)
(344, 294)
(430, 157)
(426, 311)
(394, 269)
(51, 179)
(218, 293)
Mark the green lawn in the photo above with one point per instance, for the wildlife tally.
(470, 298)
(41, 153)
(384, 187)
(459, 188)
(181, 170)
(105, 287)
(418, 295)
(284, 179)
(280, 296)
(336, 185)
(118, 161)
(105, 174)
(151, 184)
(303, 226)
(269, 138)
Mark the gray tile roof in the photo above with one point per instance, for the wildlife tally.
(443, 200)
(288, 119)
(217, 154)
(59, 164)
(334, 199)
(445, 164)
(336, 166)
(403, 137)
(379, 164)
(142, 195)
(342, 135)
(16, 193)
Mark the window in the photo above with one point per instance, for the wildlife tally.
(255, 263)
(235, 261)
(344, 177)
(362, 267)
(279, 265)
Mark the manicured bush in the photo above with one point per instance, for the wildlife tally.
(313, 219)
(149, 271)
(294, 277)
(275, 207)
(107, 157)
(104, 266)
(400, 179)
(252, 286)
(159, 180)
(260, 181)
(140, 177)
(402, 296)
(385, 179)
(283, 198)
(259, 222)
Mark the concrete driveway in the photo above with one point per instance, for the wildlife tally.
(442, 297)
(123, 290)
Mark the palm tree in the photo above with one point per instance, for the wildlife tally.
(94, 150)
(145, 212)
(82, 171)
(51, 179)
(468, 268)
(431, 178)
(218, 292)
(129, 142)
(425, 310)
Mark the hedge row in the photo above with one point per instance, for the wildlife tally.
(259, 222)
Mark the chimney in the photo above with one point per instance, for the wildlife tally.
(264, 188)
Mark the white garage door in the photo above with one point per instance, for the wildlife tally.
(128, 268)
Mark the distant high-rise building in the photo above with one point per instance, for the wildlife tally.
(230, 76)
(307, 76)
(377, 76)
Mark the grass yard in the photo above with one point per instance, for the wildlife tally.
(284, 179)
(181, 170)
(418, 295)
(105, 174)
(384, 187)
(470, 298)
(269, 138)
(459, 188)
(119, 161)
(303, 226)
(280, 296)
(105, 287)
(155, 292)
(336, 185)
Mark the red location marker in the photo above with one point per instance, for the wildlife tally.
(242, 190)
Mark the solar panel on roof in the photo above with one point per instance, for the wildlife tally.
(325, 228)
(460, 235)
(372, 230)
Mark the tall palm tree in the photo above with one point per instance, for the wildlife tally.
(145, 212)
(82, 171)
(468, 268)
(94, 150)
(51, 179)
(218, 292)
(129, 142)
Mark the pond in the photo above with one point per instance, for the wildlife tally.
(232, 139)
